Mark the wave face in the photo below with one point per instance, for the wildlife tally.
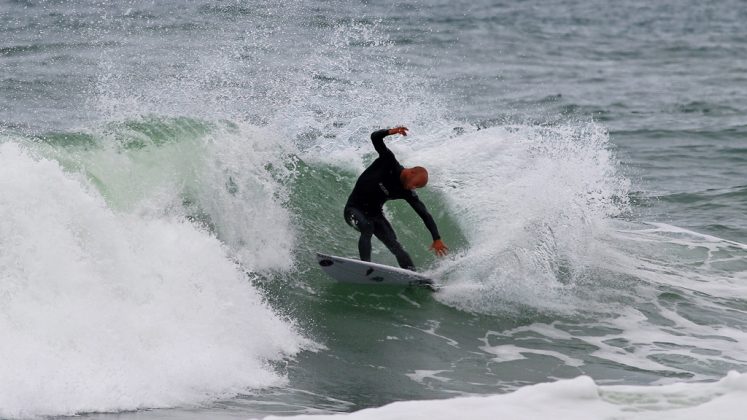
(168, 170)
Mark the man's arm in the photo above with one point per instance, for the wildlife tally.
(377, 138)
(438, 246)
(420, 209)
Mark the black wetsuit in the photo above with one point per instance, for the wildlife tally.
(378, 184)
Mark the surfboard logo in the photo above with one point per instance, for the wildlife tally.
(383, 188)
(377, 279)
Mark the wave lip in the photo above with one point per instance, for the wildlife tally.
(103, 311)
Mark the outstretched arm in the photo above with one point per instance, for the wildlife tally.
(438, 246)
(377, 137)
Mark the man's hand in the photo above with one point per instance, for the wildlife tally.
(440, 248)
(398, 130)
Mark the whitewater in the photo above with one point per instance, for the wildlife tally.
(167, 172)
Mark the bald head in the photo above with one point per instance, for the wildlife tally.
(415, 177)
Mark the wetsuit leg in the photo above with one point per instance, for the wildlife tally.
(360, 222)
(385, 233)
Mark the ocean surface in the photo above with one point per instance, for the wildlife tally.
(169, 168)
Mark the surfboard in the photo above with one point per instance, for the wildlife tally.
(348, 270)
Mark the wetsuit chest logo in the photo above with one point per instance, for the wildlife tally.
(383, 188)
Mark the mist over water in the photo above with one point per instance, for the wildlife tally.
(167, 171)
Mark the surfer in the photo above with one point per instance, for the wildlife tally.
(386, 179)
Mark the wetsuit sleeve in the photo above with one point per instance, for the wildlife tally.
(420, 209)
(377, 137)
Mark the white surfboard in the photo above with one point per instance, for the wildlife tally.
(348, 270)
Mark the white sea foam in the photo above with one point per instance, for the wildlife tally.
(631, 339)
(576, 399)
(665, 254)
(510, 352)
(421, 375)
(103, 310)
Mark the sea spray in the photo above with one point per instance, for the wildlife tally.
(530, 200)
